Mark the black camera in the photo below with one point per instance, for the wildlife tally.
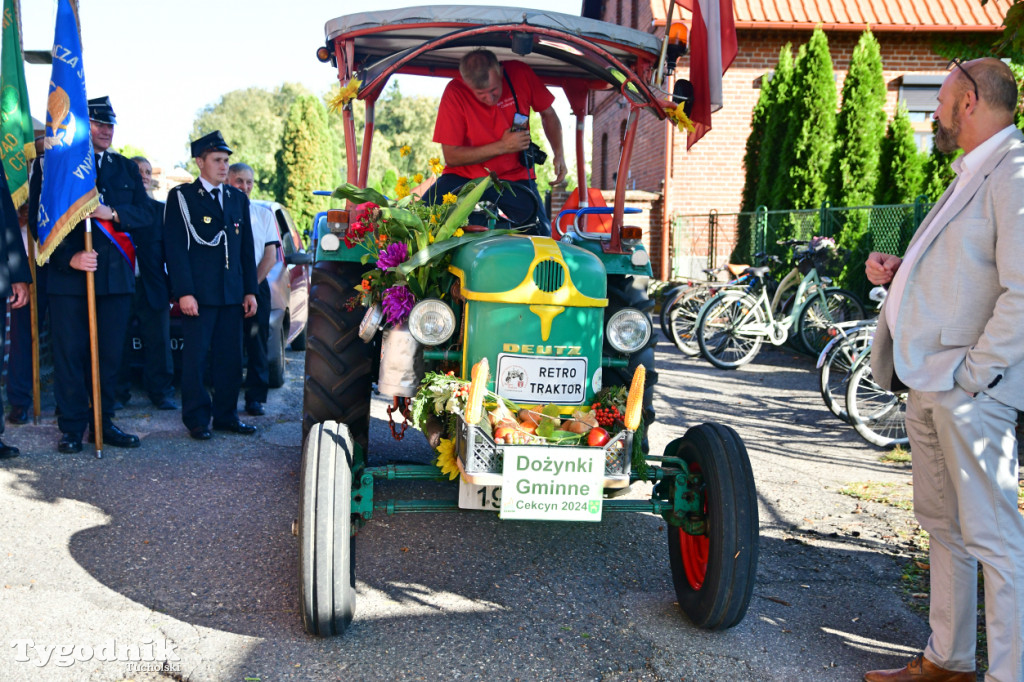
(533, 156)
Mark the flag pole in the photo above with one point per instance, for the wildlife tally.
(33, 301)
(94, 352)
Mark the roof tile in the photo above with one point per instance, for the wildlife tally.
(881, 15)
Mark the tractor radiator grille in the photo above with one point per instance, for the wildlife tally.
(549, 276)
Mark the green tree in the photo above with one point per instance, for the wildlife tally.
(810, 138)
(399, 121)
(130, 151)
(853, 173)
(251, 121)
(307, 159)
(900, 164)
(776, 127)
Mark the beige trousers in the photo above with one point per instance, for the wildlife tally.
(964, 454)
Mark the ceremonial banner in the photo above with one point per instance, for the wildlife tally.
(17, 147)
(69, 181)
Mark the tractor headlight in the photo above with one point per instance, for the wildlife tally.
(431, 322)
(628, 331)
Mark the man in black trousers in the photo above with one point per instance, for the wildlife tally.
(125, 208)
(14, 272)
(151, 306)
(211, 261)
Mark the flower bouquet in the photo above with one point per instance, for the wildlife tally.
(407, 243)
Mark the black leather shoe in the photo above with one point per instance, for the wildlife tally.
(235, 427)
(200, 433)
(70, 443)
(254, 408)
(8, 451)
(17, 415)
(165, 404)
(115, 437)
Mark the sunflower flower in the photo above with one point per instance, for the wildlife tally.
(345, 95)
(446, 459)
(678, 116)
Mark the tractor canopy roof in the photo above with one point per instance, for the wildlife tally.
(575, 53)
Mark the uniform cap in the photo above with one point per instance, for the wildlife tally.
(210, 142)
(101, 111)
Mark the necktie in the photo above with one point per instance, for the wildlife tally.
(216, 194)
(99, 160)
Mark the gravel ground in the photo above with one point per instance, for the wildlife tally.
(189, 545)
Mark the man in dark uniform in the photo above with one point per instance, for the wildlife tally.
(124, 206)
(151, 306)
(210, 258)
(14, 272)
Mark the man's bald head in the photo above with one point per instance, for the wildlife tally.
(997, 87)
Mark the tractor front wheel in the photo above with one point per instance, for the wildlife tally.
(327, 575)
(713, 573)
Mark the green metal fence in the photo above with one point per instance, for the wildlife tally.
(710, 240)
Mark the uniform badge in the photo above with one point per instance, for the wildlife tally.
(202, 193)
(207, 219)
(236, 228)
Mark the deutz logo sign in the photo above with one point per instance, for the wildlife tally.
(542, 350)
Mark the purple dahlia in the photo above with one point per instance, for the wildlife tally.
(398, 302)
(393, 255)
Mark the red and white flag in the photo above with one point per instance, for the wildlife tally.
(712, 48)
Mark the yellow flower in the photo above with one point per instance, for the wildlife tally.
(406, 150)
(436, 167)
(433, 219)
(446, 458)
(402, 190)
(402, 180)
(459, 232)
(678, 116)
(449, 198)
(418, 178)
(431, 239)
(345, 95)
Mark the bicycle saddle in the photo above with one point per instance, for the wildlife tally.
(758, 272)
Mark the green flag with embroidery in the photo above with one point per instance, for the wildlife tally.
(17, 146)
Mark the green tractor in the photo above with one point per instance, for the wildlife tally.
(534, 337)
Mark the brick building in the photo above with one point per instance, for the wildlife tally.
(710, 176)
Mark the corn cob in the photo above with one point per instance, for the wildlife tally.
(635, 400)
(477, 388)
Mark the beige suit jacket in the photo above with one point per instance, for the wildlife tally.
(961, 319)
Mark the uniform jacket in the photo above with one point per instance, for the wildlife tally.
(13, 259)
(120, 187)
(149, 250)
(199, 270)
(963, 307)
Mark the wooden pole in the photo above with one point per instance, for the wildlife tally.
(94, 350)
(33, 301)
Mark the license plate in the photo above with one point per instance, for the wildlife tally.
(541, 379)
(481, 497)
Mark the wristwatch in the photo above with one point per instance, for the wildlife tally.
(115, 218)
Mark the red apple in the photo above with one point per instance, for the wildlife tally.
(597, 437)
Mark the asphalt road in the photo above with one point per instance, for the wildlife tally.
(184, 550)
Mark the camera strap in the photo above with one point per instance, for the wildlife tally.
(515, 100)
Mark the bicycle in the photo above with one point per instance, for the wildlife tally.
(732, 325)
(877, 415)
(836, 361)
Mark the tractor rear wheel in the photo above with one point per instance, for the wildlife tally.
(339, 365)
(630, 291)
(714, 573)
(327, 575)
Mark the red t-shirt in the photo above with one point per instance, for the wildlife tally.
(464, 121)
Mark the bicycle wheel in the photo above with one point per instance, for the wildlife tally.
(670, 299)
(835, 372)
(879, 416)
(816, 316)
(682, 325)
(731, 328)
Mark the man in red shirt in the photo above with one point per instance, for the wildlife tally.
(479, 133)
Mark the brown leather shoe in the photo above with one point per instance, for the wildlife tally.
(920, 670)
